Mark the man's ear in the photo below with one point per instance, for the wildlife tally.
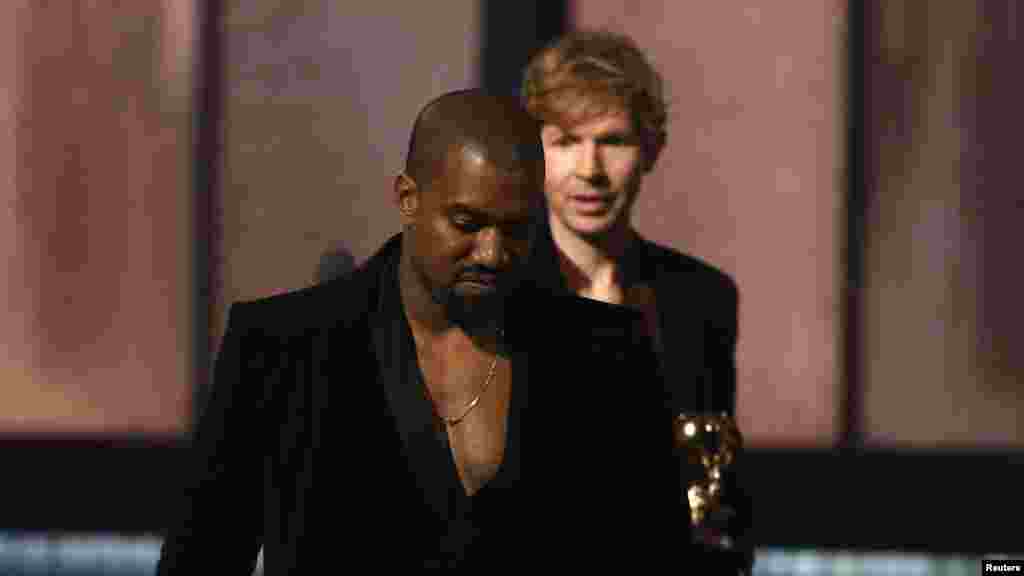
(653, 146)
(407, 196)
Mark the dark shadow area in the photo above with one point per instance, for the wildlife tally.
(851, 427)
(511, 33)
(941, 501)
(209, 97)
(334, 263)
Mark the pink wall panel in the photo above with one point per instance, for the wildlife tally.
(321, 97)
(943, 322)
(95, 325)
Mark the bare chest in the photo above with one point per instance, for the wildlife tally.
(470, 393)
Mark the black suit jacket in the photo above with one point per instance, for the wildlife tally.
(697, 324)
(299, 449)
(697, 317)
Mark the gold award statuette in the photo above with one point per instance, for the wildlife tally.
(710, 443)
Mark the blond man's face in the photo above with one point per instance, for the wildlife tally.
(593, 173)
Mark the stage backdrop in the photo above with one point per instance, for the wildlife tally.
(320, 99)
(943, 322)
(95, 202)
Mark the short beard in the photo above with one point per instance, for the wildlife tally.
(474, 314)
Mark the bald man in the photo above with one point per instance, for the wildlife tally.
(434, 407)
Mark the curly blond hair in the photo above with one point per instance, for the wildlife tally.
(588, 73)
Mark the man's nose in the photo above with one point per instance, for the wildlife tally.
(588, 162)
(491, 248)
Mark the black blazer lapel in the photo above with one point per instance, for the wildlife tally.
(680, 344)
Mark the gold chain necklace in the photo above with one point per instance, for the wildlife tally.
(446, 420)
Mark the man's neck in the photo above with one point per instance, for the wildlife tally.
(593, 266)
(424, 314)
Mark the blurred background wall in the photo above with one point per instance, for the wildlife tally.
(943, 330)
(95, 230)
(319, 101)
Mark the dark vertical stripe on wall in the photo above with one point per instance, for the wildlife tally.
(209, 70)
(852, 433)
(510, 33)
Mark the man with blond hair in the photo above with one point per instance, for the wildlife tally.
(603, 116)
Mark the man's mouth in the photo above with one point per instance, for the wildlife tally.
(592, 202)
(483, 280)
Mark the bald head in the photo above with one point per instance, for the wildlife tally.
(474, 175)
(480, 128)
